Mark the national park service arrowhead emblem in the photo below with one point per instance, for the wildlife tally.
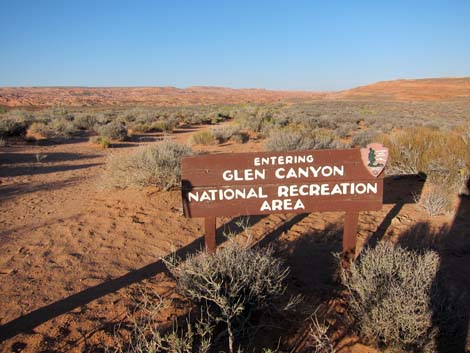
(374, 157)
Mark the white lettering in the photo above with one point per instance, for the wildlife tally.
(193, 196)
(315, 171)
(299, 205)
(291, 174)
(315, 189)
(282, 191)
(265, 206)
(338, 170)
(246, 174)
(205, 196)
(277, 205)
(325, 189)
(360, 188)
(327, 171)
(229, 194)
(336, 190)
(303, 190)
(372, 188)
(227, 175)
(278, 173)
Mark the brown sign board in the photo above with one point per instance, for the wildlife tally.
(279, 182)
(349, 180)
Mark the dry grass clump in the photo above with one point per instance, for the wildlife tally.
(55, 128)
(318, 333)
(435, 201)
(240, 137)
(346, 129)
(158, 165)
(148, 334)
(102, 141)
(443, 156)
(231, 283)
(223, 134)
(396, 299)
(232, 133)
(12, 127)
(205, 137)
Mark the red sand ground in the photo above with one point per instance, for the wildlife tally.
(72, 254)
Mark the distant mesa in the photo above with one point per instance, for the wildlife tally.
(433, 89)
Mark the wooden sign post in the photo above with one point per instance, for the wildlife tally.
(243, 184)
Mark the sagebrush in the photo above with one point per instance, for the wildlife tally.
(435, 200)
(158, 165)
(397, 298)
(232, 283)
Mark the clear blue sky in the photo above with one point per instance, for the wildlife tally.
(313, 45)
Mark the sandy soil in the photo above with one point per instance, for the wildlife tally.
(72, 255)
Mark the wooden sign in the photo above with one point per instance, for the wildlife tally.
(348, 180)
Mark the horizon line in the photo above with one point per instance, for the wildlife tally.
(235, 88)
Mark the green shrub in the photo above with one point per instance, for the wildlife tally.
(288, 141)
(205, 137)
(140, 127)
(395, 296)
(60, 128)
(84, 121)
(285, 140)
(114, 131)
(163, 126)
(157, 165)
(257, 121)
(156, 126)
(52, 129)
